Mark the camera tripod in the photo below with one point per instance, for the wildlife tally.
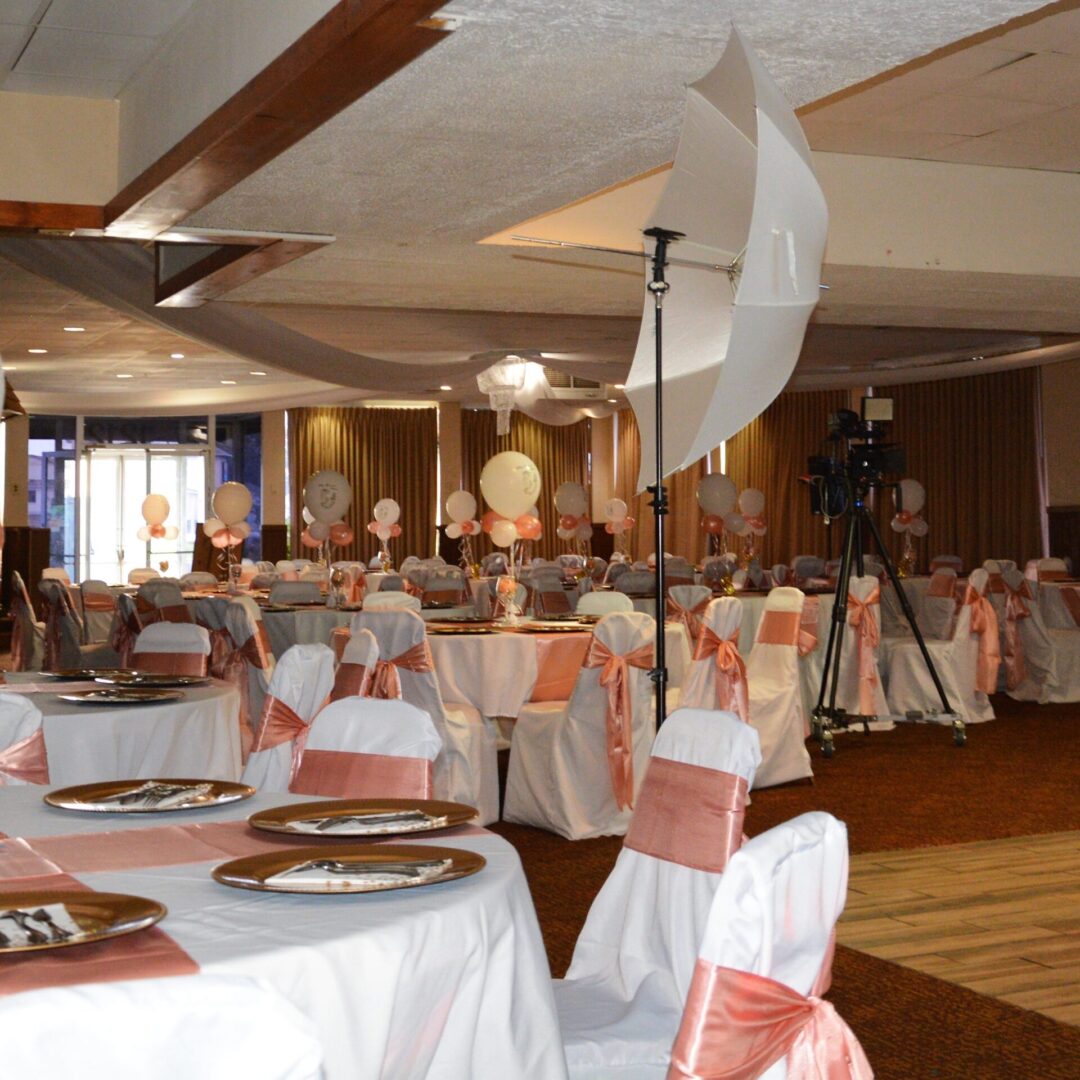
(825, 719)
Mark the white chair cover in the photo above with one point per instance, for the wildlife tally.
(198, 579)
(392, 601)
(780, 574)
(180, 640)
(493, 564)
(215, 1027)
(938, 613)
(265, 580)
(952, 562)
(243, 623)
(776, 906)
(603, 603)
(447, 583)
(23, 759)
(805, 567)
(295, 592)
(560, 776)
(860, 688)
(393, 583)
(28, 632)
(700, 688)
(264, 566)
(620, 1002)
(55, 573)
(356, 670)
(1051, 569)
(142, 574)
(1043, 654)
(909, 686)
(98, 611)
(302, 680)
(468, 770)
(160, 593)
(302, 564)
(776, 705)
(636, 583)
(356, 726)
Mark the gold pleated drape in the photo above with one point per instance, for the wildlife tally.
(973, 444)
(383, 453)
(682, 535)
(560, 453)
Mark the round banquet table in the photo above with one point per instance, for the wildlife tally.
(447, 981)
(196, 736)
(1052, 604)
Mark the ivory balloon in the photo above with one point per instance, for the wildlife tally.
(144, 533)
(241, 529)
(212, 526)
(231, 502)
(919, 527)
(384, 532)
(734, 523)
(571, 498)
(752, 502)
(503, 533)
(510, 483)
(913, 495)
(565, 534)
(386, 512)
(615, 509)
(155, 509)
(319, 530)
(453, 530)
(327, 495)
(461, 506)
(716, 494)
(171, 532)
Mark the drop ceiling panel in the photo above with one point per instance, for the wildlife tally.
(960, 114)
(146, 18)
(1056, 33)
(59, 85)
(20, 11)
(76, 54)
(11, 41)
(1050, 78)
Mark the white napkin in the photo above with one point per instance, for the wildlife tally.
(21, 926)
(396, 821)
(155, 795)
(314, 876)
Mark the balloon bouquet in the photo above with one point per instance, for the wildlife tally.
(572, 503)
(618, 523)
(717, 495)
(510, 484)
(384, 525)
(463, 526)
(327, 496)
(228, 528)
(155, 509)
(752, 509)
(909, 522)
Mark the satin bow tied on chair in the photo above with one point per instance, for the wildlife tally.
(732, 691)
(861, 619)
(615, 679)
(1015, 609)
(984, 625)
(26, 760)
(689, 617)
(385, 681)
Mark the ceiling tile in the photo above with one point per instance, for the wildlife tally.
(1050, 78)
(75, 54)
(147, 18)
(19, 11)
(960, 114)
(1056, 33)
(11, 41)
(60, 85)
(864, 139)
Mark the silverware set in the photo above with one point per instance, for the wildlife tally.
(33, 935)
(155, 794)
(414, 869)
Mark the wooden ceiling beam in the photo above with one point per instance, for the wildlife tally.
(49, 217)
(356, 46)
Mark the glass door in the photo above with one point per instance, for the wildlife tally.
(116, 483)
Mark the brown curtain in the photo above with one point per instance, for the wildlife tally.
(973, 444)
(383, 453)
(560, 453)
(683, 535)
(770, 454)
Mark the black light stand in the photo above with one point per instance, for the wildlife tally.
(824, 720)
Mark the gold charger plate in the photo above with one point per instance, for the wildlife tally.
(151, 680)
(119, 696)
(443, 630)
(75, 674)
(554, 628)
(280, 818)
(86, 798)
(253, 871)
(99, 915)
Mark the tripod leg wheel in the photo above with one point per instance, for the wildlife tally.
(816, 728)
(827, 743)
(959, 733)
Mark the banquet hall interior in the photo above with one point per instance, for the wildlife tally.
(331, 375)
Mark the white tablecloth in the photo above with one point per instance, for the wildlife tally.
(448, 981)
(197, 736)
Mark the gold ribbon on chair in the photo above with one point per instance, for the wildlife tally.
(984, 625)
(615, 678)
(1015, 609)
(861, 619)
(385, 682)
(732, 691)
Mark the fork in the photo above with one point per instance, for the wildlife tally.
(33, 935)
(58, 932)
(336, 866)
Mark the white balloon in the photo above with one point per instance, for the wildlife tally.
(510, 483)
(144, 532)
(241, 529)
(571, 498)
(584, 531)
(453, 530)
(327, 495)
(565, 534)
(319, 530)
(503, 533)
(752, 502)
(919, 527)
(383, 532)
(155, 509)
(171, 532)
(386, 512)
(461, 506)
(716, 494)
(913, 495)
(231, 502)
(759, 530)
(734, 522)
(615, 509)
(212, 525)
(307, 515)
(898, 526)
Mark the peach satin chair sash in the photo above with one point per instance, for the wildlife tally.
(1016, 609)
(732, 691)
(125, 631)
(176, 613)
(343, 774)
(96, 601)
(615, 678)
(26, 760)
(941, 585)
(688, 814)
(170, 663)
(689, 617)
(789, 628)
(863, 620)
(1052, 575)
(221, 648)
(22, 617)
(984, 625)
(736, 1025)
(352, 680)
(385, 682)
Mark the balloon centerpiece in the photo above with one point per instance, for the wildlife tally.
(717, 496)
(463, 526)
(618, 523)
(327, 497)
(384, 525)
(908, 520)
(752, 510)
(228, 529)
(510, 484)
(572, 504)
(155, 510)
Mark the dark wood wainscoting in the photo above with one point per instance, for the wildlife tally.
(1065, 533)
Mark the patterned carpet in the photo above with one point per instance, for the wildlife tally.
(909, 788)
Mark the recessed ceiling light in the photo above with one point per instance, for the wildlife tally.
(256, 372)
(176, 356)
(613, 401)
(228, 382)
(74, 329)
(11, 367)
(125, 376)
(620, 386)
(444, 387)
(38, 352)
